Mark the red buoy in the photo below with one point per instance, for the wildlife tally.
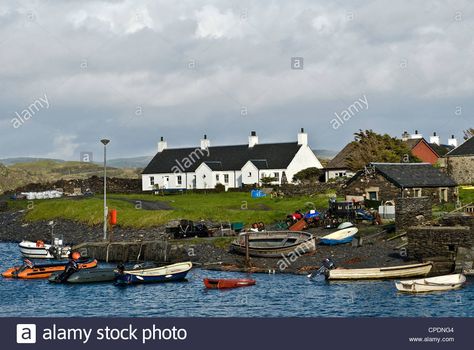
(113, 217)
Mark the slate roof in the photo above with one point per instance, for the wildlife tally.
(276, 155)
(341, 159)
(409, 175)
(465, 149)
(260, 163)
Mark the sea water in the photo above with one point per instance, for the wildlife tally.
(274, 295)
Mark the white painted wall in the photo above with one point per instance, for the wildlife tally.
(168, 180)
(249, 174)
(336, 173)
(305, 158)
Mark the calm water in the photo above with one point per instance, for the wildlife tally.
(273, 296)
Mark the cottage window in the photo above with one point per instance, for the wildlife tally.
(217, 177)
(417, 192)
(373, 195)
(276, 176)
(179, 180)
(443, 194)
(226, 178)
(152, 180)
(250, 174)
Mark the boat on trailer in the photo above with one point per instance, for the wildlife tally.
(342, 236)
(41, 250)
(275, 244)
(432, 284)
(393, 272)
(227, 283)
(168, 273)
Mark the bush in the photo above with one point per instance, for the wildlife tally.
(308, 174)
(219, 188)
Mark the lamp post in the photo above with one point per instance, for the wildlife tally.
(105, 142)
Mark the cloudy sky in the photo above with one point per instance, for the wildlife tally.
(133, 71)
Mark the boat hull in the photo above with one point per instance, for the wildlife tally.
(39, 271)
(394, 272)
(275, 244)
(433, 284)
(87, 276)
(212, 283)
(339, 237)
(169, 273)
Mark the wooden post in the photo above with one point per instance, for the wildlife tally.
(247, 255)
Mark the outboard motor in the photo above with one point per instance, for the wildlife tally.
(327, 264)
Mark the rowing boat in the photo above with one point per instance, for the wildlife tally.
(403, 271)
(226, 283)
(432, 284)
(274, 244)
(168, 273)
(339, 237)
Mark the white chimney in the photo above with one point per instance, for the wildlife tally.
(205, 143)
(162, 145)
(253, 139)
(452, 141)
(405, 136)
(434, 139)
(416, 135)
(302, 138)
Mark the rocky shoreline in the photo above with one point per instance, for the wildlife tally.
(205, 252)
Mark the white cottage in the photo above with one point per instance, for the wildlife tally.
(232, 166)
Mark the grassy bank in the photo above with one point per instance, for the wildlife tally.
(222, 207)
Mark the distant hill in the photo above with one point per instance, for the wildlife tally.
(135, 162)
(325, 153)
(132, 162)
(11, 161)
(47, 170)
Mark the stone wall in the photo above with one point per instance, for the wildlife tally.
(308, 189)
(461, 169)
(361, 185)
(412, 211)
(94, 184)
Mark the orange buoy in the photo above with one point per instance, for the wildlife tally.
(113, 217)
(76, 255)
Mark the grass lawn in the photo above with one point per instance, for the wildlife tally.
(221, 207)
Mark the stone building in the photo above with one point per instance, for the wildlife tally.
(388, 181)
(459, 163)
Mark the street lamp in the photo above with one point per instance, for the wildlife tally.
(105, 142)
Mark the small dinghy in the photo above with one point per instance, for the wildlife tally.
(168, 273)
(85, 276)
(432, 284)
(275, 244)
(226, 283)
(340, 237)
(41, 250)
(31, 270)
(345, 225)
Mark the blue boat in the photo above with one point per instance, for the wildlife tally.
(340, 237)
(168, 273)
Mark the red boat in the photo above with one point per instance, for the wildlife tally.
(222, 283)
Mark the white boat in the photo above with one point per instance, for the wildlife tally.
(432, 284)
(403, 271)
(339, 237)
(345, 225)
(40, 250)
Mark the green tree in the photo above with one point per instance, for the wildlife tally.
(369, 146)
(308, 174)
(468, 133)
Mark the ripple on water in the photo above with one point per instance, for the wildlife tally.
(274, 296)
